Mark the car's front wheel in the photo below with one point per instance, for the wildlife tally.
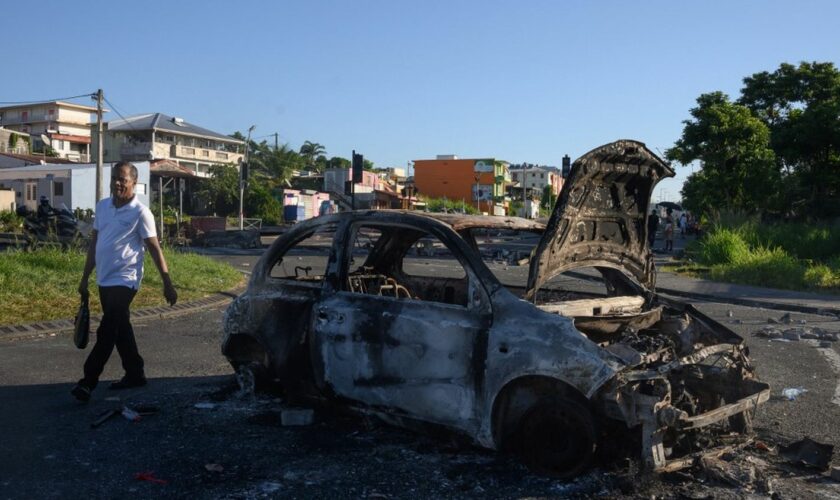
(557, 436)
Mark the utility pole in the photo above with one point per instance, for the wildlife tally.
(100, 146)
(276, 141)
(524, 195)
(242, 178)
(477, 194)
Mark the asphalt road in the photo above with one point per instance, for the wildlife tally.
(49, 449)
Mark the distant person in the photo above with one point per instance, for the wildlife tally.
(683, 224)
(669, 231)
(121, 228)
(652, 226)
(44, 208)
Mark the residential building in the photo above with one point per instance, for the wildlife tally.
(156, 136)
(535, 179)
(65, 126)
(69, 184)
(371, 192)
(478, 181)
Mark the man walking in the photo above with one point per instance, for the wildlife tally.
(121, 228)
(652, 226)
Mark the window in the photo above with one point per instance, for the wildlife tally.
(24, 115)
(306, 261)
(405, 263)
(58, 188)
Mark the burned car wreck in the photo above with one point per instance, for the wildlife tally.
(355, 308)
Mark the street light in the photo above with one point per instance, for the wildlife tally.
(242, 179)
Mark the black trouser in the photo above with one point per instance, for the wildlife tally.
(114, 329)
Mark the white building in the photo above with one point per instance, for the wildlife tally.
(65, 126)
(71, 184)
(156, 136)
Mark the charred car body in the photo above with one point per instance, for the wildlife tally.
(339, 307)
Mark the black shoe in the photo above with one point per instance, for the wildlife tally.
(128, 383)
(81, 392)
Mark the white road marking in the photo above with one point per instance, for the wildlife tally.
(834, 361)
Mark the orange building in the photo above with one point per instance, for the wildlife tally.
(476, 181)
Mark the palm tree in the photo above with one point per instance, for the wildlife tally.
(310, 151)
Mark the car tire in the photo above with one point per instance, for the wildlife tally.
(557, 436)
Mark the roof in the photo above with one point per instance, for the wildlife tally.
(160, 121)
(36, 159)
(68, 166)
(169, 168)
(66, 104)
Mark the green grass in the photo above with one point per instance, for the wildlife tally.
(789, 256)
(42, 285)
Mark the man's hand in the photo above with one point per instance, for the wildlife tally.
(169, 293)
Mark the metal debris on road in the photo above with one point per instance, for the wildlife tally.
(214, 468)
(204, 406)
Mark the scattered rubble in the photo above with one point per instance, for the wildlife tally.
(797, 333)
(835, 473)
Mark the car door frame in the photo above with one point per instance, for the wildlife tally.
(338, 351)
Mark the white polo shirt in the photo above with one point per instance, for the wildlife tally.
(119, 242)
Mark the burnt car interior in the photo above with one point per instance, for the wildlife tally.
(388, 261)
(314, 247)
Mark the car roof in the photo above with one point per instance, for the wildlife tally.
(458, 222)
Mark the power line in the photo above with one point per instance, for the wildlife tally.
(48, 100)
(119, 114)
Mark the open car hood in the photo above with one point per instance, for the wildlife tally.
(600, 219)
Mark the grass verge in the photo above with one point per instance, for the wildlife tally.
(785, 256)
(42, 285)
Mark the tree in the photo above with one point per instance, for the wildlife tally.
(310, 152)
(739, 169)
(547, 198)
(221, 190)
(801, 107)
(339, 162)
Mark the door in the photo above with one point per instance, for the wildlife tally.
(395, 350)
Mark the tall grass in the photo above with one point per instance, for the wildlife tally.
(42, 285)
(784, 255)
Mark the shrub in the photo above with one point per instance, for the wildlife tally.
(822, 276)
(259, 203)
(723, 246)
(449, 206)
(762, 267)
(10, 222)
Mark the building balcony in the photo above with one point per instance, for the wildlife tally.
(202, 154)
(136, 150)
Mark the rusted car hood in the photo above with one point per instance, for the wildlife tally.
(600, 218)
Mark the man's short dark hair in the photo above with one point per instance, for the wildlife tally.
(130, 166)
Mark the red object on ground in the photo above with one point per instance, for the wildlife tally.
(150, 477)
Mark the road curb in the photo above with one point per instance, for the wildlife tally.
(55, 327)
(777, 306)
(738, 301)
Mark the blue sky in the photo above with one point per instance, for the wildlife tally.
(399, 81)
